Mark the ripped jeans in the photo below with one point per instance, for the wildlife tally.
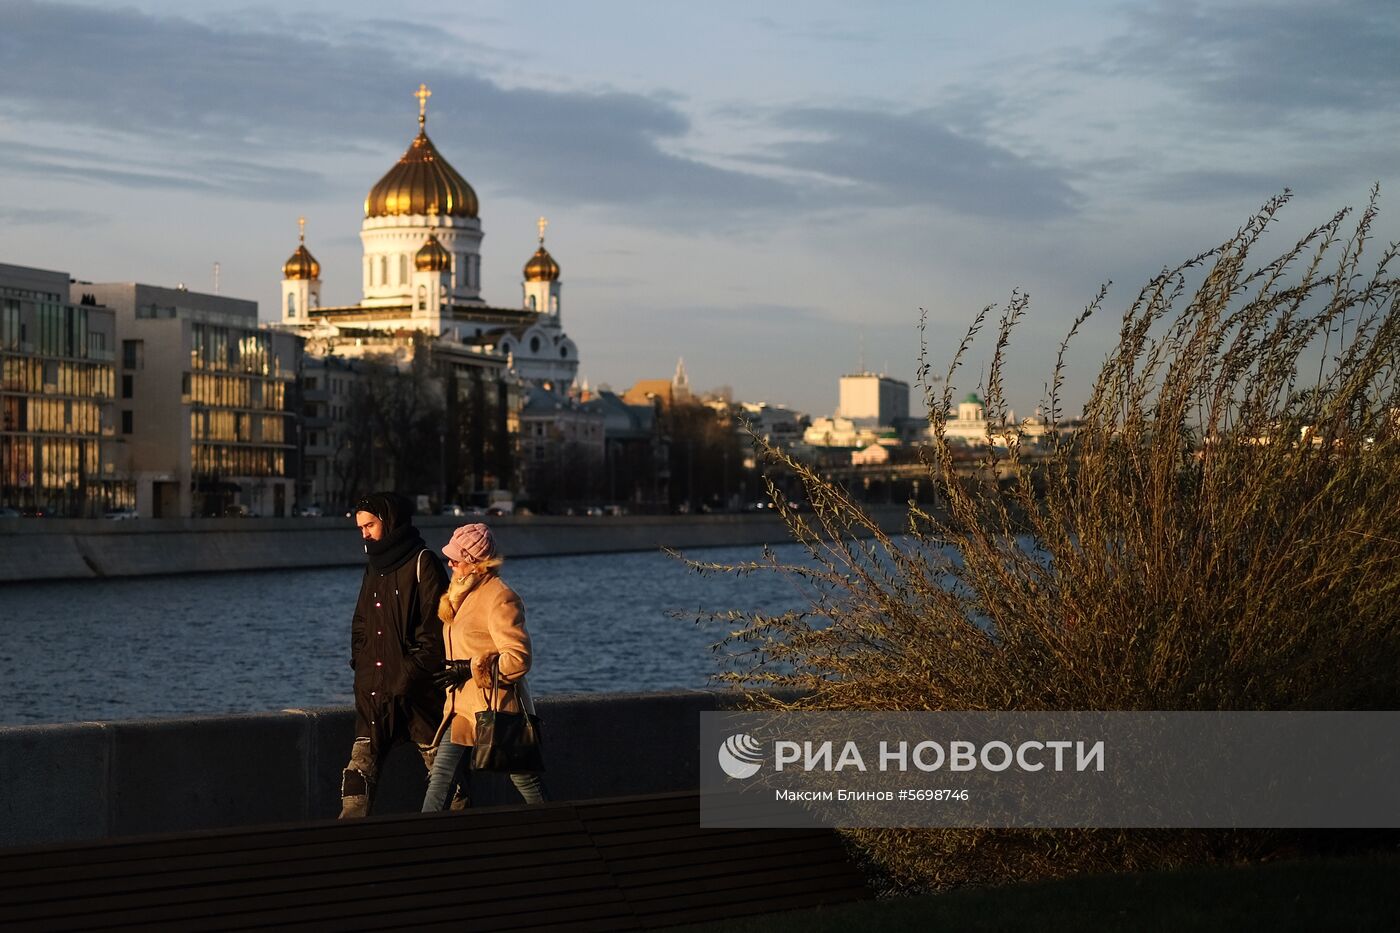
(444, 773)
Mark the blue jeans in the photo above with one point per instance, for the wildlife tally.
(448, 764)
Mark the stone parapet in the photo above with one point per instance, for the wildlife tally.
(91, 780)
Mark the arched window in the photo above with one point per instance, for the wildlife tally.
(563, 353)
(383, 270)
(403, 268)
(554, 303)
(534, 344)
(291, 305)
(531, 299)
(422, 298)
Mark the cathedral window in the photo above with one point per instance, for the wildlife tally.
(422, 298)
(532, 302)
(383, 270)
(554, 303)
(563, 353)
(403, 268)
(534, 344)
(291, 305)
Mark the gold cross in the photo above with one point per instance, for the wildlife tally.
(301, 223)
(423, 95)
(542, 223)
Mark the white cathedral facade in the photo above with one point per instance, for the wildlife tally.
(421, 271)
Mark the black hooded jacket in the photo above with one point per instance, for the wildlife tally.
(395, 634)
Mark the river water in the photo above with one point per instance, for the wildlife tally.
(270, 640)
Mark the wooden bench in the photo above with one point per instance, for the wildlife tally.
(631, 863)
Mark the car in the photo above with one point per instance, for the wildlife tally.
(32, 511)
(308, 511)
(120, 515)
(7, 512)
(452, 508)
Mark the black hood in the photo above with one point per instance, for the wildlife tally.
(392, 509)
(400, 541)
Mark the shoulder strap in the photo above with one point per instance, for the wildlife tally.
(420, 564)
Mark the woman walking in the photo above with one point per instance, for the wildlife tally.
(483, 628)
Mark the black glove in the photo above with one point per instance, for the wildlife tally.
(453, 674)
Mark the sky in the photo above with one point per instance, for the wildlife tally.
(775, 192)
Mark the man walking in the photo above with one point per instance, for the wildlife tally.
(395, 646)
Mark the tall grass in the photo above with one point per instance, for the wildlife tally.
(1221, 532)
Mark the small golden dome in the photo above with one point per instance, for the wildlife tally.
(301, 265)
(422, 182)
(432, 256)
(541, 267)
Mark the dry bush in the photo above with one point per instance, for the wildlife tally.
(1221, 532)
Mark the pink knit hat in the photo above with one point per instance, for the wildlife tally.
(472, 544)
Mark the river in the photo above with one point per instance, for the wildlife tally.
(270, 640)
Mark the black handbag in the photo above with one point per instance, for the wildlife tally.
(506, 741)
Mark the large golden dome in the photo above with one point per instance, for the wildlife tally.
(432, 256)
(422, 182)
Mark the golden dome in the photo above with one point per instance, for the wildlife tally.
(301, 264)
(541, 267)
(422, 182)
(432, 256)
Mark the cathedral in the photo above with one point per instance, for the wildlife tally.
(421, 272)
(421, 303)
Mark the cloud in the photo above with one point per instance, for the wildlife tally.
(243, 96)
(58, 217)
(912, 159)
(1266, 62)
(212, 175)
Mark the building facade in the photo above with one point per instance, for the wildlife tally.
(206, 407)
(873, 400)
(59, 450)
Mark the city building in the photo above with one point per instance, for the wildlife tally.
(873, 400)
(205, 404)
(562, 451)
(60, 454)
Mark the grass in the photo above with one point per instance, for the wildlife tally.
(1219, 531)
(1355, 894)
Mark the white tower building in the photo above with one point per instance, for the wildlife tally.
(421, 196)
(301, 282)
(541, 285)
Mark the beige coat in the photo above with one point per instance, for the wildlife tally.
(482, 616)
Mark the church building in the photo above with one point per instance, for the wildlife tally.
(421, 271)
(421, 291)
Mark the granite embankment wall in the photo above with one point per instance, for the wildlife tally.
(47, 549)
(91, 780)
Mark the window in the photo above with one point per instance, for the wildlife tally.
(184, 384)
(383, 270)
(422, 298)
(126, 421)
(291, 305)
(534, 344)
(532, 302)
(554, 304)
(563, 353)
(403, 268)
(133, 354)
(128, 385)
